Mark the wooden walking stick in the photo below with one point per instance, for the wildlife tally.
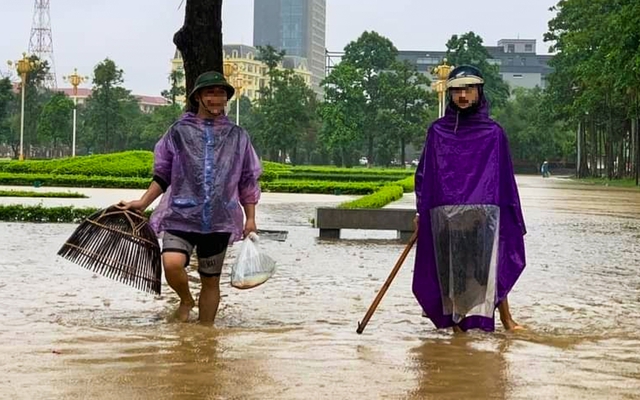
(383, 290)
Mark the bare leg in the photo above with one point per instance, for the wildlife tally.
(209, 299)
(179, 281)
(506, 318)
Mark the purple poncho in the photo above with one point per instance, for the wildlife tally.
(470, 249)
(211, 169)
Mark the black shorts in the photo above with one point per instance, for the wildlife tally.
(211, 249)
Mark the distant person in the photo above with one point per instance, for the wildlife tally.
(544, 169)
(208, 171)
(471, 230)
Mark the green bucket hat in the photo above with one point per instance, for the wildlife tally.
(209, 79)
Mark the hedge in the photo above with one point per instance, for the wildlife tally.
(71, 214)
(125, 164)
(339, 177)
(352, 171)
(295, 186)
(24, 193)
(74, 181)
(379, 199)
(383, 196)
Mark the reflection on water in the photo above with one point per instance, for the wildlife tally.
(68, 333)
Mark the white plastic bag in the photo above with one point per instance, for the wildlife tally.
(252, 267)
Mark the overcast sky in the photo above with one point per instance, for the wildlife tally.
(137, 34)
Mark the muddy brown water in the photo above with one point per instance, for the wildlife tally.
(66, 333)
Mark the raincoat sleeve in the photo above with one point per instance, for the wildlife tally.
(162, 161)
(510, 196)
(249, 187)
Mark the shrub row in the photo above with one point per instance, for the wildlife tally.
(383, 196)
(126, 164)
(70, 214)
(379, 199)
(74, 181)
(352, 171)
(25, 193)
(296, 186)
(339, 177)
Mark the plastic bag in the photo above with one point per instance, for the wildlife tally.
(252, 267)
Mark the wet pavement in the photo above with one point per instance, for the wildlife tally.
(67, 333)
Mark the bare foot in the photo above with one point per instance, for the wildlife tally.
(457, 329)
(511, 325)
(183, 311)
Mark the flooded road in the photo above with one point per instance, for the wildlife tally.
(69, 334)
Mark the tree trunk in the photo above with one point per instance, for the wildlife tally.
(636, 149)
(370, 154)
(200, 40)
(402, 152)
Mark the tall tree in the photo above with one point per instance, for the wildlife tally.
(176, 88)
(200, 39)
(370, 55)
(595, 81)
(56, 124)
(469, 49)
(405, 112)
(111, 111)
(7, 100)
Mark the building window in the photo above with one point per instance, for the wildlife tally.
(511, 48)
(518, 76)
(528, 48)
(234, 54)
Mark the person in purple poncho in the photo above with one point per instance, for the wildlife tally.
(208, 171)
(470, 250)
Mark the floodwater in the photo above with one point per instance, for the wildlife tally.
(69, 334)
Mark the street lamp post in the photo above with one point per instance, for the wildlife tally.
(238, 97)
(75, 81)
(442, 72)
(24, 66)
(232, 69)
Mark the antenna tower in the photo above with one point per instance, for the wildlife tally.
(41, 40)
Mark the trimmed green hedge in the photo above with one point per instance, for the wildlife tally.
(379, 199)
(352, 171)
(295, 186)
(383, 196)
(407, 184)
(339, 177)
(74, 181)
(71, 214)
(25, 193)
(125, 164)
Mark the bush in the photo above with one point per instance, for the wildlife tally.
(340, 177)
(24, 193)
(352, 171)
(407, 184)
(20, 213)
(125, 164)
(379, 199)
(295, 186)
(74, 181)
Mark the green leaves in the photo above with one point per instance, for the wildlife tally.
(468, 49)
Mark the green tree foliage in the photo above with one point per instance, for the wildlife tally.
(112, 115)
(468, 49)
(596, 80)
(55, 126)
